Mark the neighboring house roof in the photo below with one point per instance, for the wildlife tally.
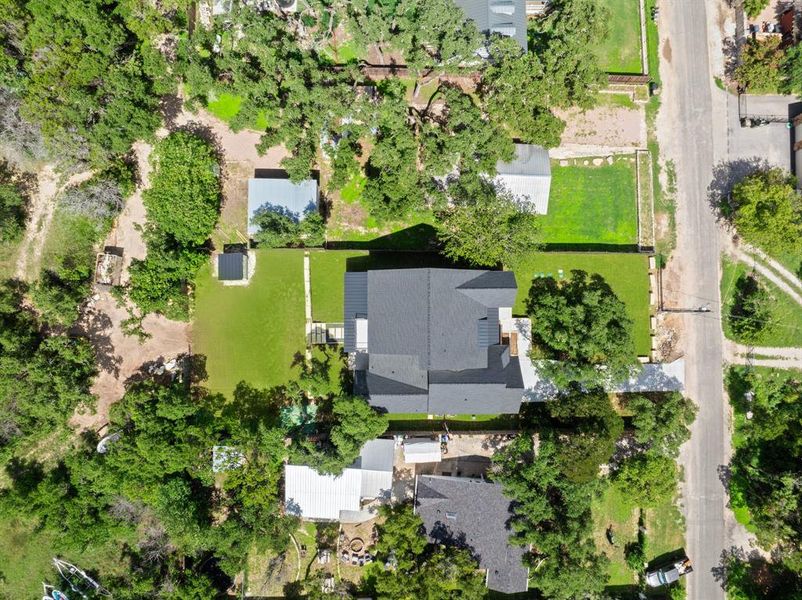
(232, 266)
(311, 495)
(473, 514)
(422, 450)
(433, 339)
(503, 17)
(295, 199)
(527, 176)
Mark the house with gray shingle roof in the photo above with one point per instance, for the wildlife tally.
(499, 17)
(429, 340)
(475, 515)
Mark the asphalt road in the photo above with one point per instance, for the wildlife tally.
(697, 142)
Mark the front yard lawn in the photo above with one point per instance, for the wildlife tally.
(593, 204)
(620, 52)
(627, 274)
(785, 320)
(252, 333)
(664, 531)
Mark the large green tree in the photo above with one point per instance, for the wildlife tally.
(767, 211)
(582, 325)
(422, 570)
(661, 421)
(552, 514)
(184, 194)
(759, 71)
(485, 226)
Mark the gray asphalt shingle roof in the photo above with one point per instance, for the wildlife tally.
(475, 515)
(433, 339)
(503, 17)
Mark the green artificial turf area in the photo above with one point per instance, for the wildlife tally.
(627, 274)
(664, 532)
(252, 333)
(620, 51)
(592, 204)
(784, 327)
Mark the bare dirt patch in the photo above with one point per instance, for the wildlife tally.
(604, 129)
(120, 356)
(667, 50)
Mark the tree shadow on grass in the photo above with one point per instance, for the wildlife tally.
(725, 176)
(417, 238)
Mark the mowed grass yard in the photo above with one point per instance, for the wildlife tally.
(620, 52)
(592, 204)
(252, 333)
(626, 273)
(665, 531)
(785, 315)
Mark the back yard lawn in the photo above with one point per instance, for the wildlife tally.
(627, 274)
(593, 204)
(620, 52)
(252, 333)
(785, 320)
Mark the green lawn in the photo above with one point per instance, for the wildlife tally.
(252, 333)
(26, 556)
(785, 321)
(224, 106)
(620, 52)
(664, 531)
(627, 274)
(328, 269)
(592, 205)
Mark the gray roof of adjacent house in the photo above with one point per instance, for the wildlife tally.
(277, 194)
(232, 266)
(473, 514)
(433, 340)
(527, 176)
(503, 17)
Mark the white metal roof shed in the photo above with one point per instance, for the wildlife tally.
(310, 495)
(422, 450)
(527, 176)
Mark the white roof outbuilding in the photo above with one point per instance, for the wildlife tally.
(421, 450)
(527, 176)
(311, 495)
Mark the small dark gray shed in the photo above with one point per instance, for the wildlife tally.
(232, 266)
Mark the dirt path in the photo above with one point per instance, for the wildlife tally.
(782, 358)
(119, 356)
(790, 277)
(43, 206)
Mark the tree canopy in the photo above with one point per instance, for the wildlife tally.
(581, 323)
(485, 226)
(767, 211)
